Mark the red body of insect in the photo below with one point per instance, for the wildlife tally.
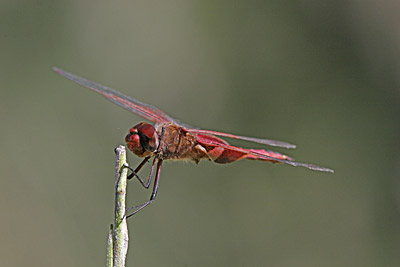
(169, 139)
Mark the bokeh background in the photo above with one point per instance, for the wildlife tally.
(321, 74)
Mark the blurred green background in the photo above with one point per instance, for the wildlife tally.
(321, 74)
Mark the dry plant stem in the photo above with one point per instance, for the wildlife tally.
(120, 233)
(110, 247)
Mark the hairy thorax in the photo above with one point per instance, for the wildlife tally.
(176, 143)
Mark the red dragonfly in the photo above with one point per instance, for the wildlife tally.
(170, 139)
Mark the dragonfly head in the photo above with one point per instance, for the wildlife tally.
(142, 139)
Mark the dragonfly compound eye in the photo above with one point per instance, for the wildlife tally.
(148, 136)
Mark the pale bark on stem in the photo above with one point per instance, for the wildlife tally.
(120, 228)
(110, 247)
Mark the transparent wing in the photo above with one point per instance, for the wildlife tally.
(264, 156)
(245, 138)
(146, 111)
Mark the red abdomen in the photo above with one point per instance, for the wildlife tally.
(218, 150)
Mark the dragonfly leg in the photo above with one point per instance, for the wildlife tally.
(155, 189)
(134, 173)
